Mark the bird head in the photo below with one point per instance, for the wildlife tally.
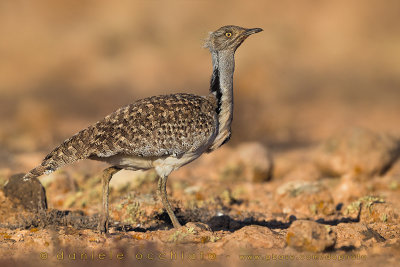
(228, 37)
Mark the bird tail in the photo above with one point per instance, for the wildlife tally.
(35, 172)
(71, 150)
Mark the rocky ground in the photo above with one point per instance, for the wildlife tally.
(333, 203)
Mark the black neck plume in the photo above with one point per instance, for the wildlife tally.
(215, 86)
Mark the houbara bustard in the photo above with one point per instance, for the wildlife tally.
(161, 132)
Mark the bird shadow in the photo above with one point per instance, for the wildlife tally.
(227, 223)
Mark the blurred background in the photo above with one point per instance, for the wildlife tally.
(318, 67)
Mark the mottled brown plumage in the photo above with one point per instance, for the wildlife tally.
(153, 127)
(161, 132)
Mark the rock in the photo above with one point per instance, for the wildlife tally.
(310, 236)
(30, 194)
(252, 237)
(306, 171)
(247, 162)
(192, 232)
(305, 198)
(257, 161)
(357, 152)
(379, 212)
(198, 226)
(372, 209)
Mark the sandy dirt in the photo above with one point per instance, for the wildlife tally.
(230, 208)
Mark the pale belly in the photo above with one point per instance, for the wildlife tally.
(163, 166)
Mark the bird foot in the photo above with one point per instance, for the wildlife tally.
(103, 226)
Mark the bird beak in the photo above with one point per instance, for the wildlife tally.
(252, 31)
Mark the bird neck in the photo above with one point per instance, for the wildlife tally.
(221, 87)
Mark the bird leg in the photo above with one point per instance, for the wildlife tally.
(107, 175)
(162, 192)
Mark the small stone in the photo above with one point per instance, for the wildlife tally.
(378, 211)
(257, 160)
(253, 237)
(310, 236)
(357, 152)
(30, 194)
(192, 232)
(198, 227)
(305, 198)
(306, 171)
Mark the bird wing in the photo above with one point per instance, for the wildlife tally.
(151, 127)
(156, 126)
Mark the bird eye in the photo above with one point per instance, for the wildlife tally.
(228, 34)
